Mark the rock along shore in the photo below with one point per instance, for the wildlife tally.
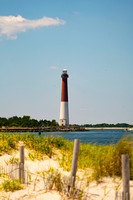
(43, 129)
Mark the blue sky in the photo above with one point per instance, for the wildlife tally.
(92, 39)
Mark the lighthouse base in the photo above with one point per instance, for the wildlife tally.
(64, 120)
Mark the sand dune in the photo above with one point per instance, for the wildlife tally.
(106, 189)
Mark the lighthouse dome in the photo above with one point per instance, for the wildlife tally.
(64, 71)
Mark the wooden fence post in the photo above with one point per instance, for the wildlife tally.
(125, 177)
(21, 165)
(74, 163)
(116, 195)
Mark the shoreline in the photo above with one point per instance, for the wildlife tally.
(125, 128)
(61, 129)
(47, 129)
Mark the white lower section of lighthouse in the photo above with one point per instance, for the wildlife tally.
(64, 115)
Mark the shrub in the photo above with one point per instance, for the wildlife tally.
(11, 185)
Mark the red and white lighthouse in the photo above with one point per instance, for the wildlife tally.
(64, 114)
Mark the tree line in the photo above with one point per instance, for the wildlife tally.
(103, 125)
(25, 121)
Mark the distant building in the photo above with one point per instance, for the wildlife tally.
(64, 114)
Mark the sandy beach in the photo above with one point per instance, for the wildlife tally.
(123, 128)
(35, 189)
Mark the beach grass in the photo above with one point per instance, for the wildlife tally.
(11, 185)
(102, 160)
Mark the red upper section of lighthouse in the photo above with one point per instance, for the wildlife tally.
(64, 90)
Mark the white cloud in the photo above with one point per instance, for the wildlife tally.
(75, 12)
(11, 25)
(54, 67)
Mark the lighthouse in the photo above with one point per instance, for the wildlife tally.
(64, 114)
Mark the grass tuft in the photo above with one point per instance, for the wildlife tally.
(11, 185)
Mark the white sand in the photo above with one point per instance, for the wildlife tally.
(105, 190)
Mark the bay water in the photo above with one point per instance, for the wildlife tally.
(99, 136)
(93, 136)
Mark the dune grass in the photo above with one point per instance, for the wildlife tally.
(11, 185)
(103, 160)
(8, 143)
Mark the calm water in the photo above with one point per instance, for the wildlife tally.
(100, 136)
